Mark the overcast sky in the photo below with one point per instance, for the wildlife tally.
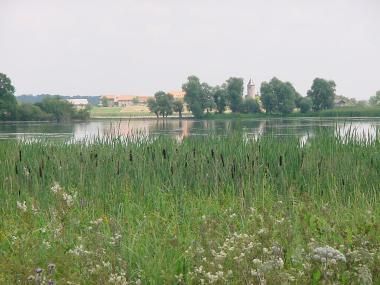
(137, 47)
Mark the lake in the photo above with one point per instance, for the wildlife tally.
(301, 127)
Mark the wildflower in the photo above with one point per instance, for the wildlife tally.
(323, 254)
(56, 187)
(22, 206)
(68, 199)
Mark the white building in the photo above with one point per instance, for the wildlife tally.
(78, 103)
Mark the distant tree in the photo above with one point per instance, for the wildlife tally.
(322, 94)
(375, 100)
(278, 96)
(8, 103)
(178, 107)
(153, 106)
(61, 110)
(249, 105)
(207, 99)
(220, 98)
(165, 103)
(305, 104)
(235, 89)
(135, 100)
(105, 102)
(268, 97)
(30, 112)
(194, 95)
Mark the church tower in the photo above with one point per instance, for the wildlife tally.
(251, 89)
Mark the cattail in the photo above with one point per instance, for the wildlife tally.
(280, 160)
(164, 153)
(118, 168)
(16, 169)
(222, 159)
(171, 170)
(212, 154)
(194, 152)
(19, 155)
(130, 156)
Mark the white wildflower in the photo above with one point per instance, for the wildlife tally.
(22, 206)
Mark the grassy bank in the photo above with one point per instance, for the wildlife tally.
(337, 112)
(208, 210)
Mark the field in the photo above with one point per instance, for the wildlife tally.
(208, 210)
(110, 112)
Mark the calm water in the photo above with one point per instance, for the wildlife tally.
(301, 127)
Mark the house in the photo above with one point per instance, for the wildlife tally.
(124, 100)
(79, 104)
(179, 95)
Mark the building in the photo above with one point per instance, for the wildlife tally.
(124, 100)
(78, 103)
(251, 90)
(179, 95)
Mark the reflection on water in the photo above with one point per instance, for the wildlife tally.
(254, 128)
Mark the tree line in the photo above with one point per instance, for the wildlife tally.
(51, 108)
(276, 97)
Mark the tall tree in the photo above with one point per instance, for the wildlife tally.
(194, 95)
(8, 101)
(153, 106)
(322, 94)
(235, 89)
(165, 103)
(207, 99)
(278, 96)
(375, 100)
(220, 98)
(178, 107)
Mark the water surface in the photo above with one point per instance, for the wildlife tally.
(301, 127)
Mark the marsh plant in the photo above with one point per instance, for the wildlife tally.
(206, 210)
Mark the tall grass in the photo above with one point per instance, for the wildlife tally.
(142, 207)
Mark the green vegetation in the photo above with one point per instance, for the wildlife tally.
(51, 108)
(212, 210)
(375, 100)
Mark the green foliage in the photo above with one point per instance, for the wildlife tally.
(249, 106)
(61, 110)
(220, 98)
(153, 106)
(161, 104)
(178, 107)
(135, 100)
(305, 105)
(194, 95)
(30, 112)
(278, 96)
(322, 94)
(207, 103)
(235, 88)
(105, 102)
(164, 103)
(375, 100)
(8, 103)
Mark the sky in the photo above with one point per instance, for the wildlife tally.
(137, 47)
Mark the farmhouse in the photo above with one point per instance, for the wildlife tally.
(124, 100)
(179, 95)
(78, 103)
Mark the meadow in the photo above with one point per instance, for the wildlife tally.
(205, 210)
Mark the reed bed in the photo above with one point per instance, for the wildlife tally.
(206, 210)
